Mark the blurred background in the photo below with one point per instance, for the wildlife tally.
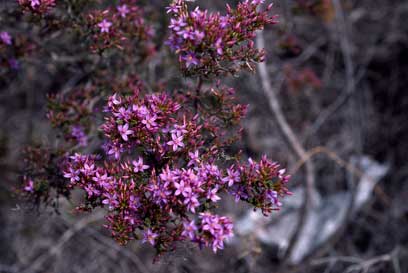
(330, 103)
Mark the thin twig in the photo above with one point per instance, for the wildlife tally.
(294, 144)
(364, 266)
(198, 92)
(120, 249)
(345, 46)
(38, 262)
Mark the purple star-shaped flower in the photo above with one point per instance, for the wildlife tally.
(88, 169)
(212, 195)
(176, 141)
(34, 3)
(190, 60)
(191, 201)
(168, 176)
(29, 187)
(150, 236)
(5, 37)
(104, 26)
(173, 8)
(177, 24)
(149, 121)
(72, 175)
(233, 176)
(194, 158)
(124, 131)
(189, 229)
(139, 166)
(181, 188)
(111, 200)
(123, 10)
(218, 46)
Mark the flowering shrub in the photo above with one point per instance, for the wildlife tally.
(212, 43)
(158, 161)
(122, 26)
(37, 6)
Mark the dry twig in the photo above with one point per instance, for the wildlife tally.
(294, 144)
(39, 262)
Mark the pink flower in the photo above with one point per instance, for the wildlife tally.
(218, 46)
(114, 101)
(273, 198)
(233, 176)
(149, 121)
(281, 173)
(173, 8)
(149, 236)
(139, 166)
(5, 37)
(77, 158)
(124, 131)
(104, 26)
(115, 151)
(177, 141)
(212, 195)
(72, 174)
(91, 190)
(181, 188)
(123, 10)
(191, 200)
(29, 186)
(88, 169)
(122, 113)
(194, 158)
(179, 129)
(101, 179)
(111, 200)
(35, 3)
(189, 229)
(190, 60)
(177, 24)
(167, 175)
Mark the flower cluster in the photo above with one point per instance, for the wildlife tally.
(212, 231)
(37, 6)
(264, 183)
(123, 27)
(159, 178)
(210, 43)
